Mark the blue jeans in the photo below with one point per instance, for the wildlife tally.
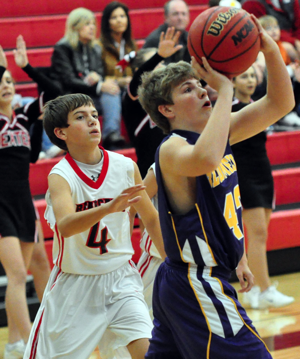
(109, 106)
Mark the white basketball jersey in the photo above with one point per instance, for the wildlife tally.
(146, 243)
(107, 245)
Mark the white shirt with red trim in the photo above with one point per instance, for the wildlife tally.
(107, 245)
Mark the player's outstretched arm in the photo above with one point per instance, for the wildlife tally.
(70, 222)
(278, 101)
(149, 216)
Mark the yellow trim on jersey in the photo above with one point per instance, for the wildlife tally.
(174, 229)
(203, 312)
(251, 330)
(205, 236)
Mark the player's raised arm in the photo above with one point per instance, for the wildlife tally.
(176, 155)
(278, 101)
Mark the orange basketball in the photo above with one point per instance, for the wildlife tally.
(227, 37)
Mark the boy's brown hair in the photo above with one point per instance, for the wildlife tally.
(56, 114)
(157, 88)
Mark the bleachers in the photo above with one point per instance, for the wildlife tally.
(43, 25)
(16, 8)
(43, 31)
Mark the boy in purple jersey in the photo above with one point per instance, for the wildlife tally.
(196, 311)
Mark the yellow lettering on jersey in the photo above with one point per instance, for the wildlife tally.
(226, 168)
(231, 216)
(220, 174)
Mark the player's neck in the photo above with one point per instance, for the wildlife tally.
(84, 155)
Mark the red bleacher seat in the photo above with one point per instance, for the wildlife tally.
(284, 147)
(44, 31)
(46, 7)
(287, 185)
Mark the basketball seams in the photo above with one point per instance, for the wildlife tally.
(240, 54)
(225, 36)
(229, 44)
(203, 32)
(190, 40)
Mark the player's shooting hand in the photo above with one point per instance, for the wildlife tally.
(168, 42)
(213, 78)
(267, 44)
(20, 52)
(126, 198)
(245, 276)
(3, 61)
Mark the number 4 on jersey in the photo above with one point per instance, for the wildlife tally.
(232, 203)
(91, 241)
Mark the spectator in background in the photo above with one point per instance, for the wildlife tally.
(176, 15)
(291, 121)
(142, 131)
(77, 64)
(257, 198)
(116, 42)
(287, 14)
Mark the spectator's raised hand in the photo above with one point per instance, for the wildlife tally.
(168, 42)
(20, 52)
(3, 61)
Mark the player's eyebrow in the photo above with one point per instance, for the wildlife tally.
(85, 112)
(187, 82)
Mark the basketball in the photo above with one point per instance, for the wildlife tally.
(227, 37)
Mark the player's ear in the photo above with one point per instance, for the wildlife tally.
(60, 133)
(166, 110)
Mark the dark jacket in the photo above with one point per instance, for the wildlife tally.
(68, 66)
(153, 40)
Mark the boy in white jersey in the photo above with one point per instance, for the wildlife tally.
(94, 286)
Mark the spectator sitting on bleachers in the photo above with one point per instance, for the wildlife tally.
(77, 63)
(177, 15)
(116, 41)
(287, 14)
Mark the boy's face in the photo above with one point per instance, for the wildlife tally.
(273, 30)
(84, 127)
(192, 106)
(245, 83)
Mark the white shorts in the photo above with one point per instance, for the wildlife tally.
(76, 310)
(148, 266)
